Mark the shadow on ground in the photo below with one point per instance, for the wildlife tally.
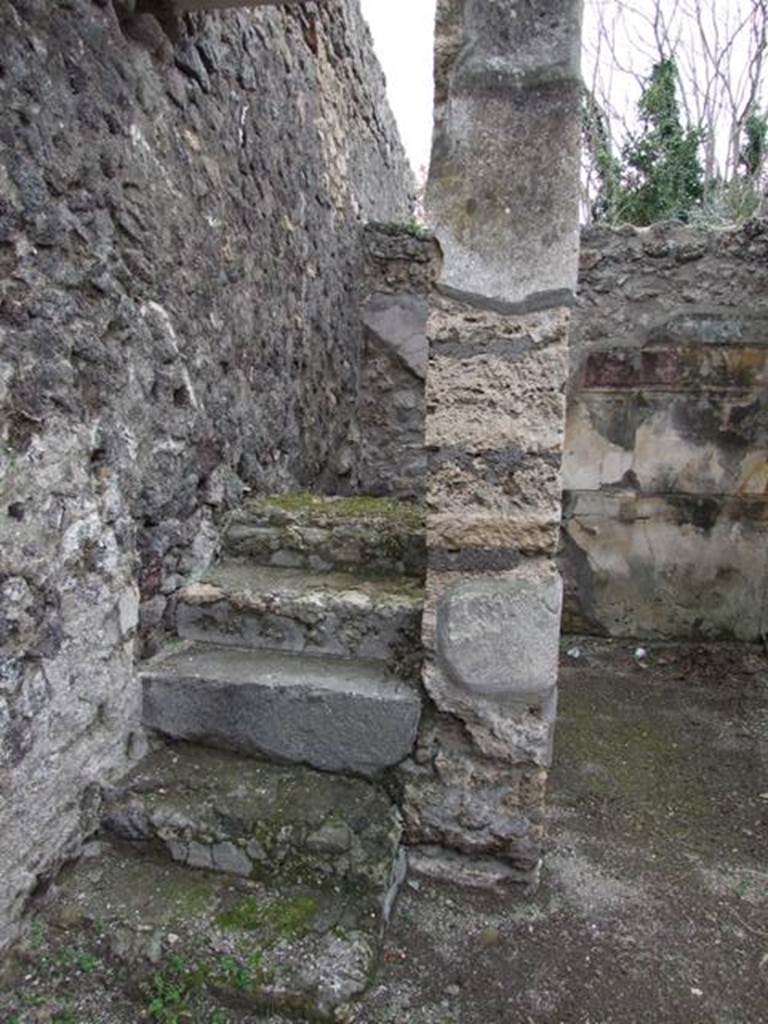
(653, 907)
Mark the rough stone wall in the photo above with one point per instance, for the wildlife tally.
(180, 226)
(666, 455)
(503, 198)
(385, 453)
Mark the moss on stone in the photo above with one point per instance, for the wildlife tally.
(362, 507)
(293, 917)
(290, 918)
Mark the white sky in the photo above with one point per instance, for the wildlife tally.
(403, 32)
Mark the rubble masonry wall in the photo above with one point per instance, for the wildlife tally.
(181, 211)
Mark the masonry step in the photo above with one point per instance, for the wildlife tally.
(249, 605)
(190, 941)
(331, 534)
(331, 713)
(226, 812)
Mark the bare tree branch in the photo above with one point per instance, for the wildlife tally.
(720, 49)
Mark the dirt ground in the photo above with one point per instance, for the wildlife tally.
(653, 907)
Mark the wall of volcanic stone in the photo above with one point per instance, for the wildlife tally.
(384, 453)
(181, 205)
(665, 469)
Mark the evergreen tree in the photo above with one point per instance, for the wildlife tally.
(659, 175)
(662, 178)
(606, 168)
(753, 153)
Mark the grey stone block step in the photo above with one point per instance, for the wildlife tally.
(197, 941)
(329, 713)
(315, 613)
(226, 812)
(326, 534)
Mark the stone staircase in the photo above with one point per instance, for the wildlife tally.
(291, 690)
(303, 644)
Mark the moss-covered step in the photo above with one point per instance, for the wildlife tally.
(329, 534)
(216, 810)
(249, 605)
(330, 713)
(185, 942)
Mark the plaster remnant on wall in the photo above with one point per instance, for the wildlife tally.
(399, 322)
(666, 451)
(507, 76)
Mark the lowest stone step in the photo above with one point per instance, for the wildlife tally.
(331, 534)
(193, 943)
(225, 812)
(250, 605)
(331, 713)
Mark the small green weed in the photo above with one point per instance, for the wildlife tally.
(168, 1002)
(418, 230)
(242, 973)
(85, 962)
(236, 973)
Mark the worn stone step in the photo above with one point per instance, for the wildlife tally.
(250, 605)
(225, 812)
(187, 941)
(330, 713)
(329, 534)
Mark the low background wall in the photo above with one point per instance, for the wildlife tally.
(665, 464)
(665, 530)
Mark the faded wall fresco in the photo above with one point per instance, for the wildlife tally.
(665, 472)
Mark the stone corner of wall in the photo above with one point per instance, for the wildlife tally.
(407, 241)
(399, 257)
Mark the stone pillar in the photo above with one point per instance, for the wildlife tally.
(503, 199)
